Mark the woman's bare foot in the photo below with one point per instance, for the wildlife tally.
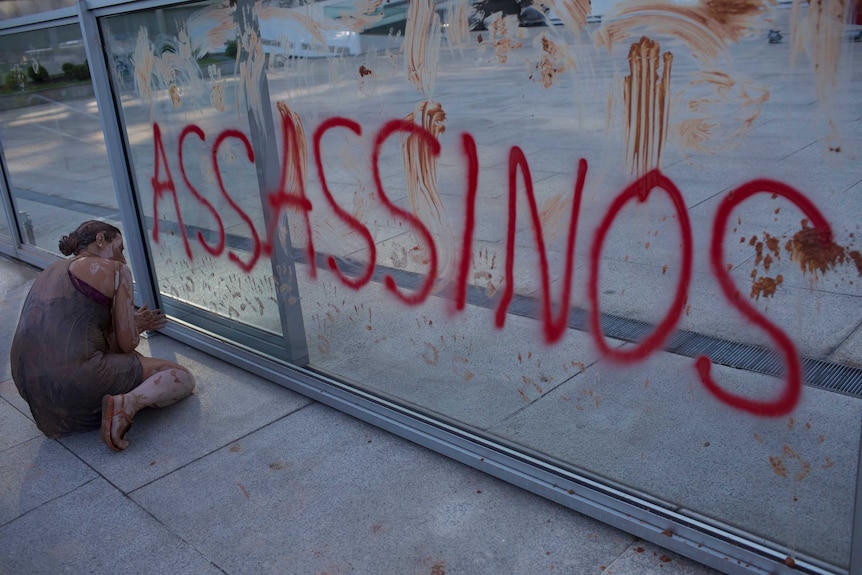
(115, 422)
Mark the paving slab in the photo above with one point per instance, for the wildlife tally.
(10, 394)
(96, 530)
(35, 472)
(321, 492)
(643, 558)
(15, 281)
(227, 404)
(15, 426)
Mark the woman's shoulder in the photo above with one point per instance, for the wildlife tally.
(99, 272)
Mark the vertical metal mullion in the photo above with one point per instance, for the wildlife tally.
(262, 130)
(8, 204)
(856, 532)
(134, 229)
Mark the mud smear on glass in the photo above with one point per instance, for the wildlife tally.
(422, 34)
(714, 93)
(503, 33)
(554, 59)
(646, 98)
(217, 90)
(821, 35)
(420, 167)
(458, 18)
(211, 28)
(365, 13)
(175, 69)
(705, 27)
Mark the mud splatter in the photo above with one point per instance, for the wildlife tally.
(646, 97)
(554, 59)
(422, 36)
(817, 254)
(503, 32)
(779, 463)
(765, 286)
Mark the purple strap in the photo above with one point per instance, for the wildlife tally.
(89, 291)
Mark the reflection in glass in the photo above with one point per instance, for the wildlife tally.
(52, 136)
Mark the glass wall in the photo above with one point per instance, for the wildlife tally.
(54, 148)
(203, 158)
(619, 239)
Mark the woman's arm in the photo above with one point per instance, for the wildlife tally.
(123, 311)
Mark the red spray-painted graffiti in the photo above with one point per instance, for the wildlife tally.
(553, 326)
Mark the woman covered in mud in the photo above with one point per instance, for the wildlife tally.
(73, 356)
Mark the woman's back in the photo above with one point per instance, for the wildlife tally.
(58, 355)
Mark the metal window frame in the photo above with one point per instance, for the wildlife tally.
(723, 548)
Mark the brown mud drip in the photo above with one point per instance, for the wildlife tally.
(816, 254)
(297, 165)
(422, 45)
(646, 98)
(824, 32)
(420, 166)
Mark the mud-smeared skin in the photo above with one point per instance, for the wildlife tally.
(646, 98)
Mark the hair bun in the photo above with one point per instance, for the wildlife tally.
(68, 244)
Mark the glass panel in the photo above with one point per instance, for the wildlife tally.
(52, 136)
(16, 8)
(471, 194)
(195, 166)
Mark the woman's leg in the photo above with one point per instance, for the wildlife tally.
(164, 383)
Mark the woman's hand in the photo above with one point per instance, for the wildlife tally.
(149, 319)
